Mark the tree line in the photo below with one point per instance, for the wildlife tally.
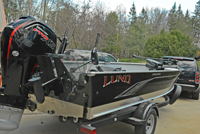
(136, 33)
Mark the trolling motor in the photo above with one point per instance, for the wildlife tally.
(151, 62)
(157, 63)
(168, 61)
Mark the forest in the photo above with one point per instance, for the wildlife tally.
(153, 32)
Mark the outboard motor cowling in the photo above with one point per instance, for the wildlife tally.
(21, 42)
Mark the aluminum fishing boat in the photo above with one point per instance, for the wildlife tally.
(35, 77)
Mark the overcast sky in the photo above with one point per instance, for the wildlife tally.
(167, 4)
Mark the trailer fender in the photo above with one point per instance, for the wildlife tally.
(143, 109)
(174, 95)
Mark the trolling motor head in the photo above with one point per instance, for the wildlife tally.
(135, 56)
(21, 42)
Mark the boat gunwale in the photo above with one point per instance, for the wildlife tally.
(136, 71)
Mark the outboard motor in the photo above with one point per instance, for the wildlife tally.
(21, 42)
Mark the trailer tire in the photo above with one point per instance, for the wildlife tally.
(150, 124)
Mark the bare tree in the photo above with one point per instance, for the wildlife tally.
(157, 19)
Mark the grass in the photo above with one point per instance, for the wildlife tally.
(134, 60)
(198, 63)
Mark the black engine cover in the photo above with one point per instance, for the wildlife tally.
(21, 42)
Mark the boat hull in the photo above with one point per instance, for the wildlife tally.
(108, 92)
(101, 110)
(118, 86)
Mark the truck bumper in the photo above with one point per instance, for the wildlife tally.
(189, 88)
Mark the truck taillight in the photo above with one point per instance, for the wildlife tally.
(197, 77)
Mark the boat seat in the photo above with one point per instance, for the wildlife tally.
(103, 68)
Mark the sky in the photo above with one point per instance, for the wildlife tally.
(139, 4)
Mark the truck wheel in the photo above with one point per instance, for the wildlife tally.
(195, 95)
(150, 124)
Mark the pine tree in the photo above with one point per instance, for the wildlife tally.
(180, 14)
(196, 20)
(187, 15)
(174, 43)
(132, 14)
(138, 33)
(172, 23)
(188, 30)
(143, 16)
(112, 22)
(177, 21)
(180, 25)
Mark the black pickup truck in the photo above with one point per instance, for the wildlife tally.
(189, 78)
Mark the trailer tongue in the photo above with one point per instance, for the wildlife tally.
(34, 77)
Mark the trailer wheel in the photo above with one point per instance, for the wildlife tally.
(63, 119)
(149, 125)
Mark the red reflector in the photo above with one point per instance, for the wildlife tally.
(87, 131)
(197, 80)
(197, 77)
(197, 73)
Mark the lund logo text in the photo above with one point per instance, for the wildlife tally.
(115, 79)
